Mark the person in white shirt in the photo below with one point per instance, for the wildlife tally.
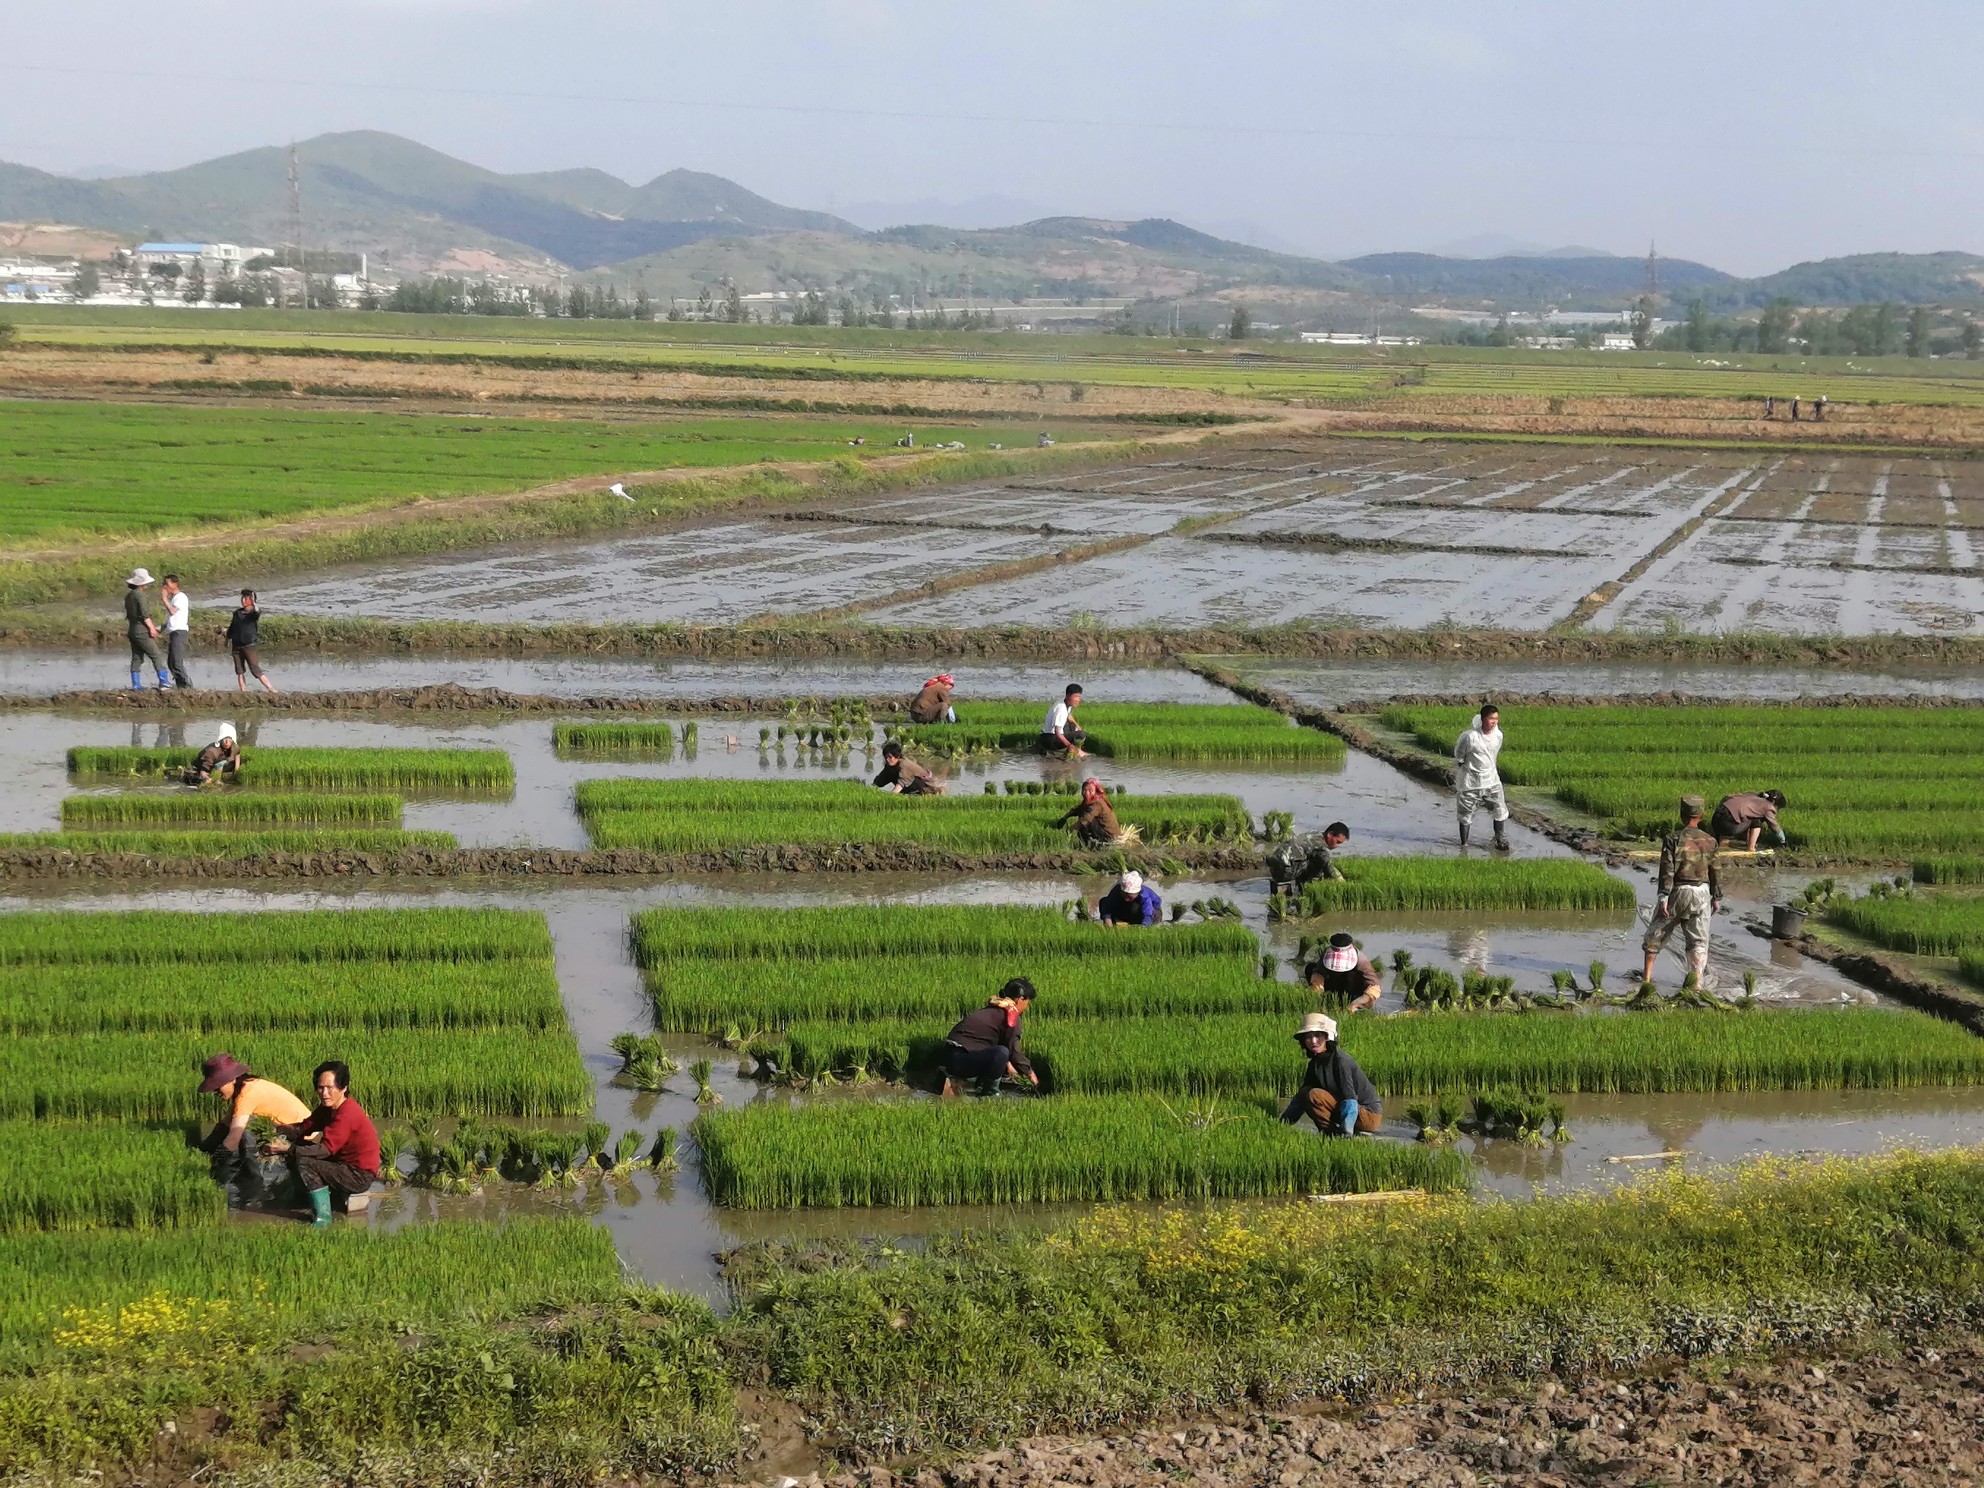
(1477, 783)
(178, 629)
(1059, 733)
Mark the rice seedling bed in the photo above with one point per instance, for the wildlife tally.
(114, 997)
(284, 1281)
(481, 771)
(1138, 731)
(707, 815)
(143, 937)
(1926, 926)
(62, 1176)
(913, 1152)
(1963, 870)
(615, 740)
(196, 808)
(507, 1071)
(222, 844)
(1467, 883)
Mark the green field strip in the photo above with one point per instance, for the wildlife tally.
(141, 937)
(1139, 731)
(1435, 884)
(227, 808)
(1924, 925)
(71, 1176)
(247, 843)
(483, 771)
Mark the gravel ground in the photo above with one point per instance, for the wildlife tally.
(1911, 1418)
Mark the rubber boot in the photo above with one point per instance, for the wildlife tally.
(320, 1207)
(137, 681)
(164, 680)
(1348, 1111)
(1463, 834)
(1501, 838)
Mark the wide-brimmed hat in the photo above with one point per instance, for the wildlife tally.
(1342, 953)
(1321, 1023)
(139, 578)
(220, 1069)
(1133, 882)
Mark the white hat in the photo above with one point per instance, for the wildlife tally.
(1342, 953)
(1321, 1023)
(1133, 882)
(139, 578)
(226, 734)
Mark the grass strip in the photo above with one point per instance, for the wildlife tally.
(914, 1152)
(483, 771)
(69, 1177)
(150, 936)
(1924, 926)
(194, 808)
(1952, 870)
(395, 1072)
(1140, 731)
(654, 741)
(252, 997)
(1467, 883)
(228, 844)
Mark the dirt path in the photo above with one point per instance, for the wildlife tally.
(1907, 1418)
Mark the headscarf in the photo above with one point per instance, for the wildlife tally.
(1092, 791)
(226, 736)
(944, 680)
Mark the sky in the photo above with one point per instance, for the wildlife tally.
(1746, 136)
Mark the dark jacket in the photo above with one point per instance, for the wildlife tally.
(987, 1028)
(1354, 983)
(908, 776)
(136, 614)
(1339, 1074)
(244, 629)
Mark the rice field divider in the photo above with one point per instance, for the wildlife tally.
(69, 1176)
(476, 772)
(1134, 731)
(1438, 884)
(1948, 870)
(160, 937)
(177, 810)
(246, 843)
(1924, 925)
(917, 1152)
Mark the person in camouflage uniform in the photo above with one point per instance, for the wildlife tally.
(1306, 858)
(1690, 891)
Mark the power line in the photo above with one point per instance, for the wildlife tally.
(1173, 126)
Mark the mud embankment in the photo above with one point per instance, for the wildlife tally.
(1649, 700)
(441, 698)
(1889, 974)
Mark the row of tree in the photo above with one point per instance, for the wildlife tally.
(1863, 330)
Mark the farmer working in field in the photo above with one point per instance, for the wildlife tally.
(1059, 733)
(1477, 782)
(1748, 815)
(335, 1146)
(905, 776)
(243, 635)
(1306, 858)
(142, 631)
(1131, 902)
(1343, 971)
(1690, 892)
(1093, 818)
(933, 703)
(222, 757)
(1336, 1094)
(985, 1045)
(231, 1143)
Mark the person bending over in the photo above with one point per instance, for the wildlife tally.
(1092, 817)
(1749, 815)
(1059, 733)
(1306, 858)
(1346, 973)
(1336, 1094)
(933, 703)
(231, 1143)
(905, 776)
(222, 757)
(1131, 902)
(985, 1045)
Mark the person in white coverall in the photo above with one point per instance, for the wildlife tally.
(1476, 781)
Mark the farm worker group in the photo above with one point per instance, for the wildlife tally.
(334, 1147)
(1690, 892)
(172, 668)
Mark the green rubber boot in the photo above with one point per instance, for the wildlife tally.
(320, 1206)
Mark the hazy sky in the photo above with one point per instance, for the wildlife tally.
(1747, 135)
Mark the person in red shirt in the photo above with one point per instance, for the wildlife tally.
(336, 1146)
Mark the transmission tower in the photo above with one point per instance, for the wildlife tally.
(1652, 272)
(294, 227)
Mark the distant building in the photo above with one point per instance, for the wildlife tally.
(1615, 341)
(1356, 338)
(216, 260)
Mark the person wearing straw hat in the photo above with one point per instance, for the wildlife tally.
(1690, 891)
(1336, 1094)
(247, 1095)
(1131, 902)
(933, 703)
(142, 631)
(222, 757)
(1346, 973)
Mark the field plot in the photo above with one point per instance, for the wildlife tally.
(1138, 731)
(250, 842)
(431, 771)
(1865, 783)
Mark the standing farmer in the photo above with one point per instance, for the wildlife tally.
(1690, 892)
(178, 629)
(243, 635)
(1477, 782)
(142, 630)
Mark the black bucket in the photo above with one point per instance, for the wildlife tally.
(1787, 922)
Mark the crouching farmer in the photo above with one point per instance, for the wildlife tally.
(1336, 1094)
(335, 1147)
(1306, 858)
(1131, 902)
(905, 776)
(1093, 818)
(1346, 973)
(222, 757)
(236, 1163)
(985, 1045)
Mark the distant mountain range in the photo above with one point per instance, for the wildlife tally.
(416, 210)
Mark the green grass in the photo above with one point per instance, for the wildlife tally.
(507, 1071)
(255, 996)
(714, 815)
(155, 937)
(1865, 783)
(248, 844)
(184, 808)
(910, 1153)
(67, 1177)
(1949, 870)
(1141, 731)
(1467, 883)
(1904, 922)
(614, 740)
(482, 771)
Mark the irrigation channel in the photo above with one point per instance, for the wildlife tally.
(665, 1227)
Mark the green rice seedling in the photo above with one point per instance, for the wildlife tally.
(626, 1152)
(904, 1153)
(109, 997)
(617, 740)
(1277, 826)
(1596, 971)
(66, 1176)
(662, 1156)
(393, 1141)
(1512, 1114)
(1467, 883)
(181, 809)
(593, 1137)
(1925, 926)
(153, 1076)
(481, 771)
(1564, 982)
(229, 845)
(140, 937)
(1278, 906)
(1141, 731)
(645, 1063)
(700, 1071)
